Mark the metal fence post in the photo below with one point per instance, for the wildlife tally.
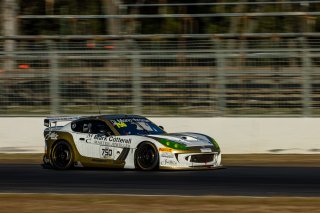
(220, 64)
(53, 78)
(136, 80)
(9, 25)
(306, 72)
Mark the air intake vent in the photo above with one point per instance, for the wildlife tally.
(203, 158)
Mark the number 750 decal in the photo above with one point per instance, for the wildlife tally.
(106, 152)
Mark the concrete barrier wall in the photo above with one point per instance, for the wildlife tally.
(235, 135)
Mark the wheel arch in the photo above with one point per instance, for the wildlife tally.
(155, 147)
(71, 149)
(67, 137)
(62, 140)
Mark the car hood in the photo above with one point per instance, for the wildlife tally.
(186, 138)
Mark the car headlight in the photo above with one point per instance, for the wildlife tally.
(172, 144)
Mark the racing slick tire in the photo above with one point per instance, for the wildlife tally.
(62, 156)
(147, 157)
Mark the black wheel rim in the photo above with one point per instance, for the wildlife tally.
(146, 156)
(61, 156)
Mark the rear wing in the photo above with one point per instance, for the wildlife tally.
(54, 120)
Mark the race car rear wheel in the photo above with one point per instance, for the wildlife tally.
(147, 156)
(61, 156)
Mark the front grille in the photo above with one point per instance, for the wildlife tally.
(203, 158)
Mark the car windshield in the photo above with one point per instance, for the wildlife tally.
(135, 126)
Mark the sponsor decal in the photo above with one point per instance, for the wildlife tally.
(113, 141)
(52, 136)
(168, 162)
(165, 149)
(205, 150)
(120, 140)
(89, 138)
(121, 124)
(128, 120)
(166, 154)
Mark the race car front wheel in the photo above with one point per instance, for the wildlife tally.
(146, 156)
(61, 156)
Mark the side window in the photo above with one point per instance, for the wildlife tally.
(77, 126)
(83, 126)
(91, 126)
(99, 127)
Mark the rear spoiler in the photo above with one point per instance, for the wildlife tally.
(54, 120)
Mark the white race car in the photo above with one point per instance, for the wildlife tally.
(125, 141)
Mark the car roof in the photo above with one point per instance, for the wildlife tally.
(120, 116)
(111, 117)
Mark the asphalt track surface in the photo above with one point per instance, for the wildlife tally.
(241, 180)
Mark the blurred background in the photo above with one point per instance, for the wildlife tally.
(160, 57)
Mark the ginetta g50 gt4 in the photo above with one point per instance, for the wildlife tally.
(124, 141)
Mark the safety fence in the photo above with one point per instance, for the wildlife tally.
(174, 76)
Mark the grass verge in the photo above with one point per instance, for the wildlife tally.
(30, 158)
(114, 203)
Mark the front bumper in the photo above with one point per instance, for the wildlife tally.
(190, 161)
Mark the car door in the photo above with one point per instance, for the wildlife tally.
(82, 138)
(111, 146)
(95, 139)
(90, 138)
(100, 135)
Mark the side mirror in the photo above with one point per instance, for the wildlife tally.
(161, 127)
